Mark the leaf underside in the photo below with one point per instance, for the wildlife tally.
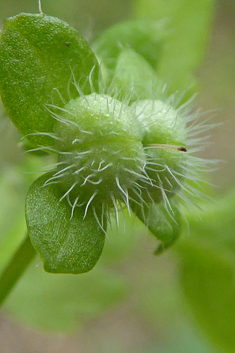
(65, 244)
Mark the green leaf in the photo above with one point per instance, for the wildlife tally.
(144, 37)
(164, 224)
(207, 279)
(217, 222)
(207, 269)
(134, 77)
(39, 56)
(66, 243)
(190, 22)
(61, 303)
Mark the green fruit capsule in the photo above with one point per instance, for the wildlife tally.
(164, 139)
(101, 155)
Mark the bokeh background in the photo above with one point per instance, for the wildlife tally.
(182, 301)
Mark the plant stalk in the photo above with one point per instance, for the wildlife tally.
(15, 268)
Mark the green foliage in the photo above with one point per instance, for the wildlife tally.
(62, 303)
(101, 143)
(189, 24)
(207, 271)
(207, 280)
(41, 59)
(38, 55)
(134, 77)
(67, 244)
(144, 37)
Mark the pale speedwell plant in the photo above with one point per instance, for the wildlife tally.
(119, 140)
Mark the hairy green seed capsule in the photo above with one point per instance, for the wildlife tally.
(161, 124)
(101, 154)
(164, 139)
(110, 152)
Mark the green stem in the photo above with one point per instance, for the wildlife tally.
(16, 267)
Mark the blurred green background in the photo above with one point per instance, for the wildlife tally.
(182, 301)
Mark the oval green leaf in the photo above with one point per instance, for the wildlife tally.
(66, 244)
(134, 78)
(207, 279)
(40, 58)
(143, 36)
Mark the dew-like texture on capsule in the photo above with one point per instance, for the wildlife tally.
(161, 124)
(163, 129)
(97, 118)
(102, 155)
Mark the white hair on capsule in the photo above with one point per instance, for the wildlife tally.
(40, 6)
(189, 179)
